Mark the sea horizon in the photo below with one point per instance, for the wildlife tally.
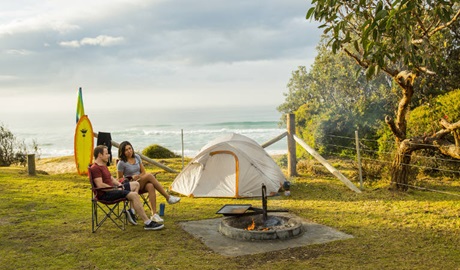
(193, 128)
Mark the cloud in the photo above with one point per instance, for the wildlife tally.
(18, 52)
(182, 50)
(35, 24)
(101, 40)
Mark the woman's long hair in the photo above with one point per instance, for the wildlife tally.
(122, 148)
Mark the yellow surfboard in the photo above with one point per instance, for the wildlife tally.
(83, 144)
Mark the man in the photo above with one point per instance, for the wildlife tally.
(103, 179)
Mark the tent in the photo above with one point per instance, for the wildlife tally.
(230, 166)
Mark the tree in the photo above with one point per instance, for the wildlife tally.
(402, 39)
(11, 151)
(334, 98)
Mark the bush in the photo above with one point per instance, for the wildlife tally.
(11, 150)
(157, 151)
(425, 119)
(281, 161)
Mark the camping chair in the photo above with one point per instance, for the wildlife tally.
(111, 210)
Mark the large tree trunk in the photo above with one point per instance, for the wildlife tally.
(400, 169)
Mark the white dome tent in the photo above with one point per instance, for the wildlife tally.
(230, 166)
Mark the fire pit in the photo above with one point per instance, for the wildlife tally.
(255, 228)
(256, 224)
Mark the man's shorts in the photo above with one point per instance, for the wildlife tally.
(114, 195)
(127, 186)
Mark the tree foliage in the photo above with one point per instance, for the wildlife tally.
(385, 35)
(12, 151)
(425, 119)
(335, 98)
(403, 39)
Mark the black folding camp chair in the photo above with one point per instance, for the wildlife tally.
(112, 210)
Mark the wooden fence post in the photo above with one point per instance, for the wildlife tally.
(358, 157)
(31, 164)
(292, 161)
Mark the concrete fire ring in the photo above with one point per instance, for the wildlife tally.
(236, 228)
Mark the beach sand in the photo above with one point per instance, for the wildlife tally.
(56, 165)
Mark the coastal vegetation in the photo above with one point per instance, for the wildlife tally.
(158, 151)
(377, 62)
(45, 223)
(12, 151)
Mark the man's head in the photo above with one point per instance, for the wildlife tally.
(102, 152)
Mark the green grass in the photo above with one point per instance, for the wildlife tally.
(45, 223)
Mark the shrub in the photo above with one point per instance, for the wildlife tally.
(157, 151)
(11, 150)
(425, 118)
(281, 161)
(372, 170)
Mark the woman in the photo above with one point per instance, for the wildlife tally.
(130, 166)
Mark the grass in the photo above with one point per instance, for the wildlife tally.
(45, 223)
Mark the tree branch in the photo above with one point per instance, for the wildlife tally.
(443, 145)
(391, 124)
(405, 79)
(447, 148)
(365, 64)
(426, 71)
(449, 128)
(356, 58)
(439, 28)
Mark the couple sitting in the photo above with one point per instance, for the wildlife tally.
(129, 167)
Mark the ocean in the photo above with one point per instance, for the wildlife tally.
(192, 128)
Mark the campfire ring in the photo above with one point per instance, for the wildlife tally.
(273, 228)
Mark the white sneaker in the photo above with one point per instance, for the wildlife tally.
(157, 218)
(173, 199)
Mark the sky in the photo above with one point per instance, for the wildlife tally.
(144, 53)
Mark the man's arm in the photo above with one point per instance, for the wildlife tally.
(100, 184)
(115, 182)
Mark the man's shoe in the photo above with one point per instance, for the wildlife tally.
(157, 218)
(131, 217)
(152, 226)
(173, 199)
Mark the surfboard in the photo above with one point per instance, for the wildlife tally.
(83, 145)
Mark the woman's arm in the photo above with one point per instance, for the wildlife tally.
(141, 166)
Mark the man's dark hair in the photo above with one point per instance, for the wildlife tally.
(99, 150)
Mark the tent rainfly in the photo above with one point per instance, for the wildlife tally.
(230, 166)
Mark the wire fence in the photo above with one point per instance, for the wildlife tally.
(372, 161)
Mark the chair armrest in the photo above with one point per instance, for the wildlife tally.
(107, 188)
